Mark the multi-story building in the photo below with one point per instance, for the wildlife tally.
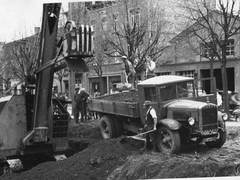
(103, 14)
(186, 56)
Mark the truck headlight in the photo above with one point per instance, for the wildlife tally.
(191, 121)
(225, 117)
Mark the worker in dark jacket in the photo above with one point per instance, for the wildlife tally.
(77, 105)
(80, 98)
(150, 124)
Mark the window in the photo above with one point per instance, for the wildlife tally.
(168, 92)
(150, 94)
(135, 17)
(185, 89)
(207, 49)
(115, 17)
(185, 73)
(163, 73)
(230, 47)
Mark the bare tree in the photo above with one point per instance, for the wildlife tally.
(214, 28)
(6, 76)
(20, 58)
(136, 31)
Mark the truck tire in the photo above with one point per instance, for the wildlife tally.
(220, 141)
(119, 126)
(168, 141)
(107, 127)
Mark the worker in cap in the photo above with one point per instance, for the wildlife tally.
(150, 66)
(150, 124)
(81, 105)
(129, 71)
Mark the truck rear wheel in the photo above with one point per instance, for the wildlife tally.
(220, 140)
(168, 141)
(107, 127)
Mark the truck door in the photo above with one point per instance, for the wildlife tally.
(166, 94)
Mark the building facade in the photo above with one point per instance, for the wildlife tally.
(101, 15)
(187, 56)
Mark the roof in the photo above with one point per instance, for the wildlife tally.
(160, 80)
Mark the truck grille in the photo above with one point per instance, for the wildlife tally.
(209, 118)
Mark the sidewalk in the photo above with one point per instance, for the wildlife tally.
(233, 123)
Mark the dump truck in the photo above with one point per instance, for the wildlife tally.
(184, 117)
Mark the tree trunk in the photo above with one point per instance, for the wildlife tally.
(101, 84)
(211, 73)
(225, 85)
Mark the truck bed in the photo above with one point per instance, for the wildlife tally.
(124, 104)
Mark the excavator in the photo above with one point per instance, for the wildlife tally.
(34, 126)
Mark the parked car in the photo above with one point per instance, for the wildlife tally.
(234, 104)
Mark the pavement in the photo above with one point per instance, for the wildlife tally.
(233, 123)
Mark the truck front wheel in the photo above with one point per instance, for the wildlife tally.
(220, 140)
(107, 127)
(168, 141)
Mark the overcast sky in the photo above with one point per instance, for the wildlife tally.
(19, 17)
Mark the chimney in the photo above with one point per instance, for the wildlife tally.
(36, 30)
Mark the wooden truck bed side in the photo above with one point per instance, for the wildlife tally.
(124, 104)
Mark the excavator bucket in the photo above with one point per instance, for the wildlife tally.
(77, 45)
(76, 65)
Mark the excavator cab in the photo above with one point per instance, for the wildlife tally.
(77, 44)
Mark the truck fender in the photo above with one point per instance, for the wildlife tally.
(221, 122)
(170, 123)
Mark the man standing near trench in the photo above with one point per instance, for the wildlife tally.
(150, 124)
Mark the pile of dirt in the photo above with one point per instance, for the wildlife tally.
(95, 162)
(113, 159)
(158, 165)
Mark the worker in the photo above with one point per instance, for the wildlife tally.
(150, 124)
(77, 105)
(84, 95)
(150, 66)
(85, 112)
(219, 100)
(129, 71)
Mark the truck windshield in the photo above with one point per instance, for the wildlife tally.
(168, 92)
(185, 89)
(179, 90)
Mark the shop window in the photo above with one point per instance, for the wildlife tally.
(185, 73)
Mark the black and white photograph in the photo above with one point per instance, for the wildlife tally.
(119, 90)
